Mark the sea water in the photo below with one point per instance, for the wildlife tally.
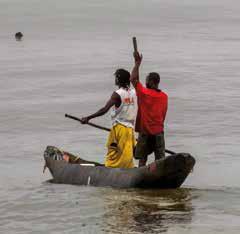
(65, 64)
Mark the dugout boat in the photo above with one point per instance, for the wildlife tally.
(67, 168)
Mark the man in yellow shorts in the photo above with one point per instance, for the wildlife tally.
(121, 140)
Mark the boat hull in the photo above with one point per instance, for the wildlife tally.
(169, 172)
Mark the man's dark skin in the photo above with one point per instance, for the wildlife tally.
(135, 73)
(114, 100)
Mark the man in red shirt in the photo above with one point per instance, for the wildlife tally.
(152, 109)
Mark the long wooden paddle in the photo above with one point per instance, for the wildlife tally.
(103, 128)
(90, 124)
(135, 44)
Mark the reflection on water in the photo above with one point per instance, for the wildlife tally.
(83, 209)
(142, 211)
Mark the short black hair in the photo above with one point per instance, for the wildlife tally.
(122, 77)
(154, 77)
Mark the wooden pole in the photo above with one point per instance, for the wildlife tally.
(103, 128)
(135, 44)
(90, 124)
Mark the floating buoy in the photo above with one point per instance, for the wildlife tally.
(18, 36)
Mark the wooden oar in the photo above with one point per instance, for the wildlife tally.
(104, 128)
(91, 124)
(135, 44)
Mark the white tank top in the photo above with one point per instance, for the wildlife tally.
(125, 114)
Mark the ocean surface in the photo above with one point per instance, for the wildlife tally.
(65, 64)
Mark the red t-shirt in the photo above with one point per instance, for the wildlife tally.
(152, 109)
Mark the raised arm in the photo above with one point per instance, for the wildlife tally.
(134, 78)
(114, 100)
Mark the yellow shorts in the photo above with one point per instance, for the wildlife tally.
(120, 144)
